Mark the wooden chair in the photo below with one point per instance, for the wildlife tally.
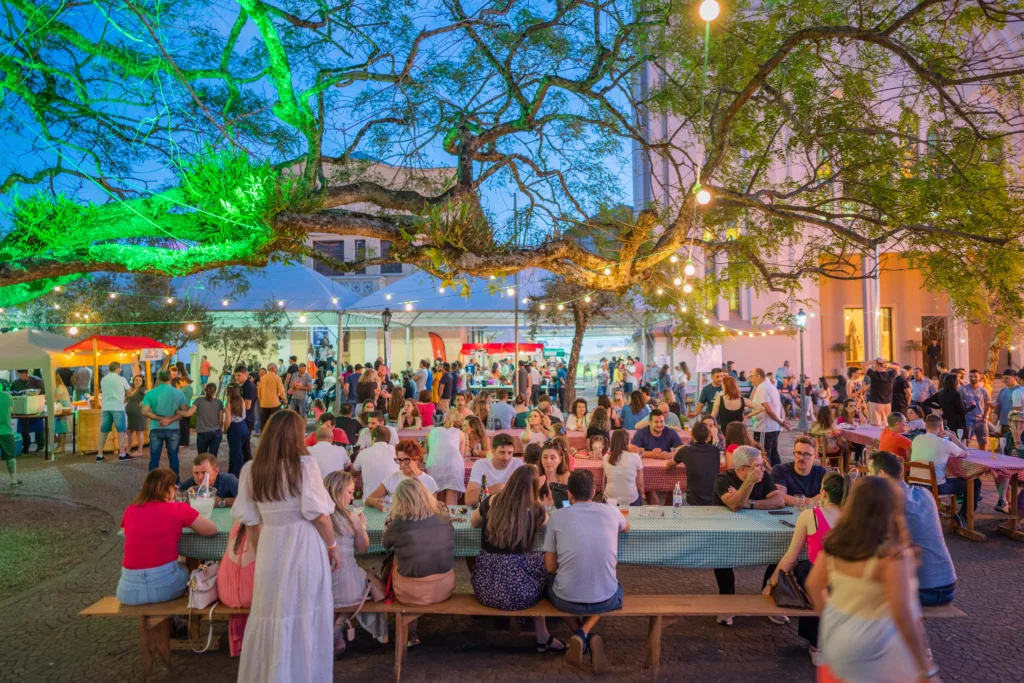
(833, 460)
(923, 474)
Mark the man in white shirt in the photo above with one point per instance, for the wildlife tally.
(497, 469)
(376, 462)
(373, 420)
(534, 383)
(113, 388)
(937, 445)
(331, 458)
(768, 416)
(421, 377)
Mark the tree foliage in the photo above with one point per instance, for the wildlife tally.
(824, 130)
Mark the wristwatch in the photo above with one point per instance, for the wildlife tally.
(750, 505)
(220, 503)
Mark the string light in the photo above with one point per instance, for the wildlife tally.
(388, 297)
(673, 259)
(510, 291)
(57, 288)
(660, 290)
(225, 302)
(688, 268)
(72, 331)
(561, 307)
(190, 328)
(170, 299)
(490, 277)
(525, 300)
(302, 318)
(113, 295)
(56, 307)
(721, 328)
(78, 315)
(586, 299)
(408, 305)
(280, 303)
(542, 307)
(763, 334)
(706, 321)
(678, 281)
(334, 300)
(683, 308)
(441, 290)
(687, 288)
(771, 331)
(607, 271)
(917, 329)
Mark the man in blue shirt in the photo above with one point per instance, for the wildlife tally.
(225, 484)
(921, 388)
(446, 388)
(502, 414)
(936, 577)
(655, 440)
(976, 400)
(351, 382)
(1009, 398)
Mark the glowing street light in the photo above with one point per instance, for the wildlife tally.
(709, 10)
(703, 197)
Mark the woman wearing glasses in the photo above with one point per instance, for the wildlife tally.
(408, 456)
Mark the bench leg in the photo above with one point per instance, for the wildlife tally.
(401, 642)
(652, 658)
(154, 639)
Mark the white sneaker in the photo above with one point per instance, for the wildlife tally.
(725, 620)
(815, 654)
(779, 620)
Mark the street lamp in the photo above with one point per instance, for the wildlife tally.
(801, 321)
(385, 320)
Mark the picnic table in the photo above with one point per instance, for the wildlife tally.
(977, 463)
(577, 440)
(698, 538)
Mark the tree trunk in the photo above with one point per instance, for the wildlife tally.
(580, 318)
(1001, 340)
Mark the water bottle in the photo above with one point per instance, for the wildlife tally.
(677, 500)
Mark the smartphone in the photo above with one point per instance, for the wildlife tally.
(785, 522)
(780, 512)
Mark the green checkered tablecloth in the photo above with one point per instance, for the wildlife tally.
(699, 538)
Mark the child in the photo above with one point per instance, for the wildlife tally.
(318, 409)
(597, 446)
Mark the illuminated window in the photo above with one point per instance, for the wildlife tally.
(853, 334)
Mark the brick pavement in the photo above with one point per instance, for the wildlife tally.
(44, 640)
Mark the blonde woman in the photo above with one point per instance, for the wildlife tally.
(62, 396)
(350, 583)
(445, 446)
(421, 535)
(475, 445)
(410, 417)
(538, 428)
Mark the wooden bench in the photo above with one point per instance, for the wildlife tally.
(660, 611)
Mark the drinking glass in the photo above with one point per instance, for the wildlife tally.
(801, 502)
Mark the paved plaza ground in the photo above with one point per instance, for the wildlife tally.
(44, 640)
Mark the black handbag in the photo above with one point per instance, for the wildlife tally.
(788, 593)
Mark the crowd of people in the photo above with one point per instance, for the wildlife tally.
(291, 553)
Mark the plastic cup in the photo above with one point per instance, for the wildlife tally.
(612, 501)
(801, 502)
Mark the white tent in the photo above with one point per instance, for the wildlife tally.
(30, 349)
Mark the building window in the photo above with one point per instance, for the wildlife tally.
(388, 268)
(360, 256)
(853, 334)
(336, 250)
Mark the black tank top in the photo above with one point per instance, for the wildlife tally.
(726, 416)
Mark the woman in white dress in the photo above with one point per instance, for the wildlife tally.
(282, 500)
(444, 458)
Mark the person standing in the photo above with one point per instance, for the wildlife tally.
(163, 405)
(136, 422)
(270, 393)
(865, 587)
(7, 438)
(921, 388)
(82, 380)
(881, 376)
(287, 512)
(933, 359)
(236, 428)
(767, 416)
(902, 391)
(209, 421)
(707, 395)
(250, 399)
(299, 387)
(61, 397)
(204, 372)
(976, 401)
(113, 388)
(523, 379)
(951, 404)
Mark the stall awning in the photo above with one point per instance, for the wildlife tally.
(507, 347)
(105, 342)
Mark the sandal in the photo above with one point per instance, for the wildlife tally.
(545, 648)
(1003, 507)
(413, 641)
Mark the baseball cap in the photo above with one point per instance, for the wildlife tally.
(1009, 371)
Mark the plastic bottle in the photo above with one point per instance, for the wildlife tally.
(483, 488)
(677, 500)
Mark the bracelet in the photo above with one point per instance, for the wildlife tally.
(332, 546)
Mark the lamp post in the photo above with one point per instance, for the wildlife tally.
(385, 319)
(801, 321)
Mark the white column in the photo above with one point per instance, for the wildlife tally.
(869, 302)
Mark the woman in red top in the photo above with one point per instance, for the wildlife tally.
(152, 526)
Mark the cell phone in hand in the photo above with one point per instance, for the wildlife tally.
(786, 522)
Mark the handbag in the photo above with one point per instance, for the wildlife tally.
(202, 593)
(788, 593)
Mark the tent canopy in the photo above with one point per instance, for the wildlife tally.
(105, 342)
(301, 288)
(524, 347)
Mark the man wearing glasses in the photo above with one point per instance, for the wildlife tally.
(802, 477)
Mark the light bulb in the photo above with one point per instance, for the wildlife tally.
(751, 335)
(683, 308)
(660, 290)
(408, 306)
(706, 321)
(673, 259)
(86, 316)
(510, 291)
(490, 277)
(388, 297)
(916, 329)
(607, 271)
(709, 10)
(962, 341)
(57, 288)
(56, 307)
(190, 328)
(586, 299)
(280, 302)
(811, 314)
(561, 307)
(72, 330)
(525, 301)
(1013, 348)
(678, 281)
(302, 318)
(225, 302)
(764, 334)
(334, 299)
(771, 331)
(687, 288)
(721, 328)
(542, 307)
(703, 197)
(77, 315)
(688, 268)
(170, 299)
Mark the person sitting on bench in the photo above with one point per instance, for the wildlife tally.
(581, 551)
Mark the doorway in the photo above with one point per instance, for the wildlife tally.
(933, 327)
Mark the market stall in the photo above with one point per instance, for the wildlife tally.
(33, 349)
(103, 349)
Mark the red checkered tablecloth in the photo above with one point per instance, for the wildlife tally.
(866, 435)
(979, 462)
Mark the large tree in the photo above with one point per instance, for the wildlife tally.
(265, 112)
